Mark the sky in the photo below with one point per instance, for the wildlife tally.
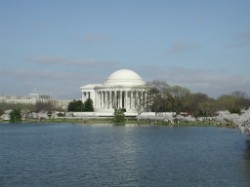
(56, 46)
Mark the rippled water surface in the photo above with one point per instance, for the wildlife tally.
(106, 155)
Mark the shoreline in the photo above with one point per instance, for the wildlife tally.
(128, 121)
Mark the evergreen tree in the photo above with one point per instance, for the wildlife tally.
(119, 116)
(15, 115)
(88, 105)
(75, 106)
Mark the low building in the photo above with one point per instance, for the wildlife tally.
(30, 99)
(33, 98)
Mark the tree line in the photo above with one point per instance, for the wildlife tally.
(166, 98)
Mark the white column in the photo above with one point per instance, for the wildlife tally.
(141, 99)
(145, 100)
(109, 100)
(98, 103)
(126, 100)
(113, 98)
(116, 99)
(131, 99)
(103, 97)
(120, 99)
(82, 96)
(106, 99)
(96, 100)
(101, 100)
(135, 99)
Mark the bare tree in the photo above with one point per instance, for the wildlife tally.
(159, 96)
(141, 100)
(177, 96)
(44, 105)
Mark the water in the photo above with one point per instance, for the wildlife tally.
(106, 155)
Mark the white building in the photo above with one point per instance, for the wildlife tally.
(122, 89)
(33, 98)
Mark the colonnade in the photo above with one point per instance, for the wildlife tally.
(109, 99)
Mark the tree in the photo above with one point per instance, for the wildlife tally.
(207, 108)
(140, 100)
(158, 96)
(75, 106)
(245, 122)
(229, 102)
(177, 97)
(88, 105)
(243, 100)
(194, 100)
(15, 115)
(79, 106)
(119, 116)
(168, 98)
(44, 106)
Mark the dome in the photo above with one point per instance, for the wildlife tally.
(124, 77)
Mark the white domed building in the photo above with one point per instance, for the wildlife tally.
(122, 89)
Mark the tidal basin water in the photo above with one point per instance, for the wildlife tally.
(107, 155)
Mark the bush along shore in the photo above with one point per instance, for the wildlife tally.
(222, 118)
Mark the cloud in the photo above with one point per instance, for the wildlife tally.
(25, 74)
(212, 82)
(68, 61)
(64, 84)
(181, 46)
(90, 37)
(59, 84)
(241, 40)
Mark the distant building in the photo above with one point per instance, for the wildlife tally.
(33, 98)
(30, 99)
(122, 89)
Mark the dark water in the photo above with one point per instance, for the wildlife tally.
(105, 155)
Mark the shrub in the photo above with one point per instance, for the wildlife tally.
(15, 115)
(119, 116)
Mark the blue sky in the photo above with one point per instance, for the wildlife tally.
(56, 46)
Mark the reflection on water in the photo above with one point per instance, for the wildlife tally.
(247, 148)
(247, 159)
(131, 155)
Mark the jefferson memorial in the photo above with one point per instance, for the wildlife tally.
(122, 89)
